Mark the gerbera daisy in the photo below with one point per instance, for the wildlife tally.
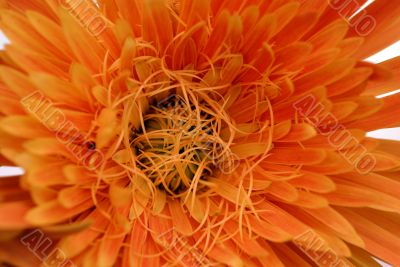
(198, 133)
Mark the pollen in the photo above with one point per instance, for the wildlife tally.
(179, 145)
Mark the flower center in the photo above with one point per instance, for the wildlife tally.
(179, 145)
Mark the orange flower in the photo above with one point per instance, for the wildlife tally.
(198, 133)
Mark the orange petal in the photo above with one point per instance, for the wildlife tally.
(73, 196)
(378, 241)
(60, 91)
(383, 30)
(329, 36)
(350, 195)
(315, 182)
(299, 132)
(289, 156)
(154, 13)
(84, 46)
(297, 28)
(16, 81)
(12, 215)
(384, 118)
(349, 46)
(225, 256)
(179, 218)
(386, 84)
(250, 246)
(250, 150)
(230, 192)
(74, 244)
(310, 200)
(54, 212)
(267, 230)
(51, 31)
(47, 175)
(337, 222)
(283, 191)
(277, 216)
(110, 245)
(24, 126)
(355, 78)
(325, 76)
(293, 57)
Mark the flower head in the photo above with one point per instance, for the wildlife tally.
(198, 133)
